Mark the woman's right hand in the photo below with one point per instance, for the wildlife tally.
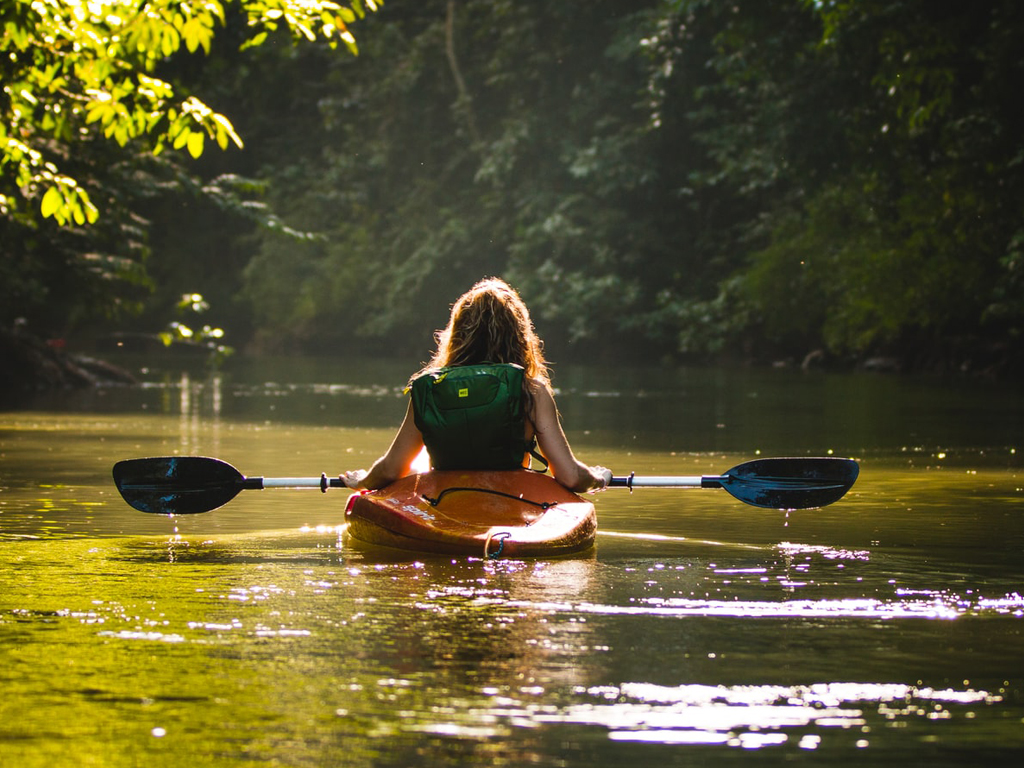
(602, 478)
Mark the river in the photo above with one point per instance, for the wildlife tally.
(885, 629)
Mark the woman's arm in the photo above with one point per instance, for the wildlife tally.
(394, 464)
(566, 468)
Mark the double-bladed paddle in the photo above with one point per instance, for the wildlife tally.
(184, 485)
(796, 483)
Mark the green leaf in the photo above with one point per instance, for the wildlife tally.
(254, 42)
(197, 34)
(101, 111)
(52, 201)
(170, 42)
(226, 132)
(91, 211)
(195, 143)
(76, 211)
(181, 137)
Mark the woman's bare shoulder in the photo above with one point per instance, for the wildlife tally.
(539, 384)
(540, 390)
(544, 411)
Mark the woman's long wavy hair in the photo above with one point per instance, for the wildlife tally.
(491, 324)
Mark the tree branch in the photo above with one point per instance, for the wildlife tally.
(465, 101)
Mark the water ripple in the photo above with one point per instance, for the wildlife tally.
(939, 606)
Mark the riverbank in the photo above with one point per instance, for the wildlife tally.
(31, 365)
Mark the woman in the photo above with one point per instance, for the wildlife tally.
(488, 348)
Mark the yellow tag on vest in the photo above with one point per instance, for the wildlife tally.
(464, 392)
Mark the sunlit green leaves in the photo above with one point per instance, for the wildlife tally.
(66, 202)
(308, 20)
(189, 127)
(61, 196)
(76, 66)
(178, 332)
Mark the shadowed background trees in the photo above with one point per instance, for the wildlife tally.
(687, 180)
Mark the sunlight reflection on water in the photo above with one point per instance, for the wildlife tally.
(739, 715)
(744, 716)
(930, 606)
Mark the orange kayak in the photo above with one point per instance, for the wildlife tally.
(514, 513)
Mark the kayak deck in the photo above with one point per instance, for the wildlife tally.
(514, 513)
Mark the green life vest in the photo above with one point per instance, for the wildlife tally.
(471, 416)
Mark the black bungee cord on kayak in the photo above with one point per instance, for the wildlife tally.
(500, 536)
(540, 504)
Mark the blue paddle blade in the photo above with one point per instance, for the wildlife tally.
(178, 485)
(785, 483)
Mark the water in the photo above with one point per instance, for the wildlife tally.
(885, 629)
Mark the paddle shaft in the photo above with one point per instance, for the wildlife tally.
(626, 481)
(191, 484)
(323, 482)
(667, 481)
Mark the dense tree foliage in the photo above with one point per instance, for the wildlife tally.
(490, 137)
(681, 178)
(762, 179)
(895, 224)
(86, 110)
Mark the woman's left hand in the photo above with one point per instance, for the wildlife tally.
(354, 479)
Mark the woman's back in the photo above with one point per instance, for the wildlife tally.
(489, 328)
